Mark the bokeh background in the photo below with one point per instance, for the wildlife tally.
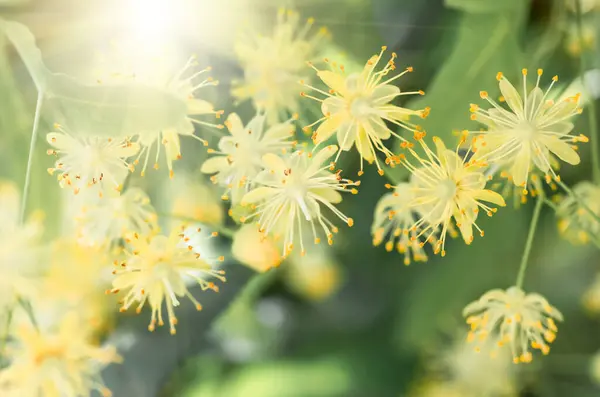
(350, 320)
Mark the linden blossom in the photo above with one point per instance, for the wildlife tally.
(393, 221)
(273, 63)
(445, 186)
(84, 162)
(239, 158)
(295, 187)
(356, 106)
(155, 271)
(513, 318)
(533, 131)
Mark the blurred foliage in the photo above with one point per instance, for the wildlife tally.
(372, 334)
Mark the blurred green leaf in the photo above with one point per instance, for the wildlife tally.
(484, 6)
(124, 109)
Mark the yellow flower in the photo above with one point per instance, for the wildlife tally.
(445, 186)
(292, 191)
(239, 159)
(357, 106)
(75, 280)
(19, 249)
(534, 130)
(575, 223)
(156, 270)
(253, 249)
(195, 200)
(512, 318)
(315, 276)
(157, 68)
(393, 222)
(595, 368)
(85, 162)
(55, 362)
(591, 297)
(274, 63)
(102, 222)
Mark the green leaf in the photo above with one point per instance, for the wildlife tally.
(483, 6)
(114, 110)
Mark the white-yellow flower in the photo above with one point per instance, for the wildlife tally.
(239, 158)
(186, 87)
(575, 222)
(19, 249)
(156, 270)
(102, 222)
(514, 319)
(274, 63)
(531, 133)
(84, 162)
(191, 198)
(357, 107)
(75, 280)
(292, 192)
(55, 362)
(393, 223)
(157, 68)
(254, 250)
(445, 186)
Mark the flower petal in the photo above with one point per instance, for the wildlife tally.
(274, 162)
(214, 165)
(563, 150)
(328, 127)
(328, 194)
(335, 81)
(511, 95)
(384, 94)
(363, 146)
(489, 196)
(520, 168)
(198, 106)
(258, 194)
(61, 141)
(346, 135)
(234, 124)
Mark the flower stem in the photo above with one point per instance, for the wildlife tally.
(585, 64)
(225, 231)
(532, 227)
(34, 133)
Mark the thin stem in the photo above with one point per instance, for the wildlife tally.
(34, 133)
(221, 229)
(586, 64)
(529, 243)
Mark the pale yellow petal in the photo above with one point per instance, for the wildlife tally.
(335, 81)
(251, 248)
(61, 141)
(214, 165)
(258, 194)
(274, 162)
(198, 106)
(346, 135)
(520, 167)
(561, 149)
(489, 196)
(384, 94)
(234, 124)
(328, 194)
(363, 146)
(511, 96)
(328, 127)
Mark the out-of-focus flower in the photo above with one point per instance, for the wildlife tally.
(84, 162)
(445, 186)
(356, 106)
(515, 319)
(55, 362)
(157, 69)
(191, 199)
(591, 297)
(534, 130)
(438, 389)
(575, 222)
(239, 158)
(75, 280)
(291, 191)
(315, 276)
(574, 44)
(19, 249)
(255, 250)
(102, 222)
(595, 368)
(586, 5)
(393, 222)
(156, 269)
(274, 63)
